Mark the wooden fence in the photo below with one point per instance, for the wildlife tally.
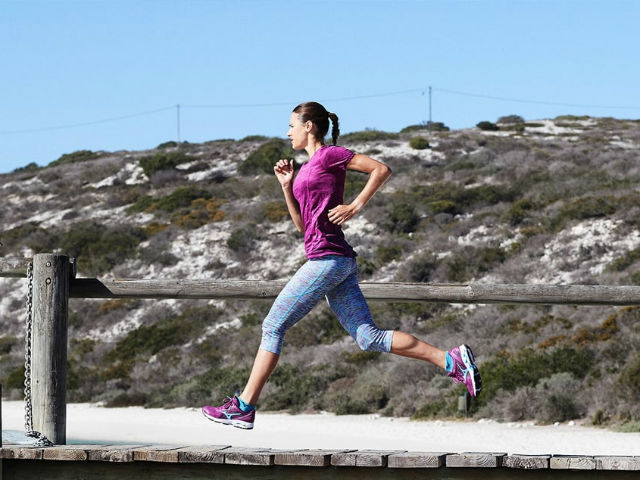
(54, 282)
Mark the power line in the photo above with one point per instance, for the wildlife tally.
(338, 99)
(536, 102)
(278, 104)
(83, 124)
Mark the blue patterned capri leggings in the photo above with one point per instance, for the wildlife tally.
(335, 278)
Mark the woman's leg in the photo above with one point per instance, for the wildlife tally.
(407, 345)
(350, 306)
(306, 288)
(263, 366)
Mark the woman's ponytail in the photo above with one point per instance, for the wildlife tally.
(335, 128)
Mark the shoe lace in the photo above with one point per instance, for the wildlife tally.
(463, 371)
(228, 401)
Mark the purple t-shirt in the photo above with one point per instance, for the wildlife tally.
(318, 187)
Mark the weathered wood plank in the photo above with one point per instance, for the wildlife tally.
(157, 453)
(617, 463)
(306, 458)
(14, 267)
(202, 454)
(113, 453)
(362, 458)
(526, 462)
(249, 456)
(417, 460)
(388, 292)
(21, 452)
(69, 453)
(572, 462)
(475, 460)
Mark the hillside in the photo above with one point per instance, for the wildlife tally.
(552, 201)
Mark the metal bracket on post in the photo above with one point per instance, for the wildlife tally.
(51, 277)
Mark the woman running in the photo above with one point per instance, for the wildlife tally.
(315, 202)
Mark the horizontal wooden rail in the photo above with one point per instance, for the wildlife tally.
(388, 292)
(14, 267)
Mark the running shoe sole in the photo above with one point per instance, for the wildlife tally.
(469, 362)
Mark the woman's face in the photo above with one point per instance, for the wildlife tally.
(298, 132)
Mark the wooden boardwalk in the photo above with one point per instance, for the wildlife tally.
(116, 461)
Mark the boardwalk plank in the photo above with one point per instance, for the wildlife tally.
(249, 456)
(417, 460)
(21, 452)
(69, 453)
(202, 454)
(157, 453)
(526, 462)
(306, 458)
(572, 462)
(362, 458)
(617, 463)
(113, 453)
(475, 460)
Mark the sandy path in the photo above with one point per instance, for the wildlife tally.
(90, 423)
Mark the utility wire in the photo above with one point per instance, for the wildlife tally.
(278, 104)
(339, 99)
(95, 122)
(520, 100)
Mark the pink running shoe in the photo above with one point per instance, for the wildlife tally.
(465, 370)
(230, 414)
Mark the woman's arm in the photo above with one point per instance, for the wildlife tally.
(284, 173)
(378, 174)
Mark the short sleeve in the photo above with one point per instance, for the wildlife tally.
(337, 158)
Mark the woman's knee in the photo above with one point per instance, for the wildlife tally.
(373, 339)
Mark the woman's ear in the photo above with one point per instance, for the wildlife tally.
(308, 126)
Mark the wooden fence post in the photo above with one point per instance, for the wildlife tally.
(51, 274)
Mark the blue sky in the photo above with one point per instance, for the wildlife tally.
(108, 75)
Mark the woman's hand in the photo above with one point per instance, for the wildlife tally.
(340, 214)
(284, 172)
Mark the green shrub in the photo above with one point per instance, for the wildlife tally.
(421, 267)
(254, 138)
(511, 119)
(404, 218)
(419, 143)
(275, 211)
(508, 371)
(127, 400)
(432, 410)
(169, 144)
(200, 212)
(99, 248)
(583, 208)
(487, 126)
(628, 382)
(368, 135)
(242, 239)
(6, 344)
(621, 263)
(386, 254)
(30, 235)
(15, 379)
(559, 407)
(444, 206)
(162, 161)
(30, 167)
(263, 159)
(181, 197)
(414, 128)
(75, 157)
(437, 127)
(519, 210)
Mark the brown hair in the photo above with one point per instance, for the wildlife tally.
(319, 116)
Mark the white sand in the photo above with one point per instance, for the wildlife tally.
(181, 426)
